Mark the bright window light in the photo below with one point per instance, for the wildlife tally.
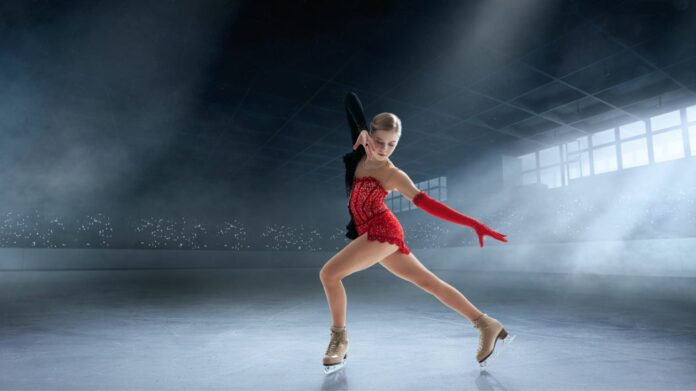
(668, 145)
(574, 170)
(664, 121)
(529, 178)
(572, 158)
(691, 113)
(631, 130)
(572, 146)
(605, 159)
(634, 153)
(603, 137)
(583, 142)
(578, 165)
(551, 176)
(549, 156)
(528, 162)
(585, 163)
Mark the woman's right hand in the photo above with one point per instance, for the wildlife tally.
(364, 139)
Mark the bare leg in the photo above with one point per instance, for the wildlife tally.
(357, 255)
(338, 302)
(409, 268)
(454, 299)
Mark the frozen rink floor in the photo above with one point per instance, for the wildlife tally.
(268, 329)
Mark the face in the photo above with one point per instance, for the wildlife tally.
(384, 142)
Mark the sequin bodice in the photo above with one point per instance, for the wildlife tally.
(367, 199)
(372, 215)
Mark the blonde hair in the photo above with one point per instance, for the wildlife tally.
(386, 121)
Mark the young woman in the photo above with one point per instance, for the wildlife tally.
(379, 238)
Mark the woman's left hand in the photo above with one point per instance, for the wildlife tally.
(483, 230)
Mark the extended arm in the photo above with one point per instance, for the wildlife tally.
(421, 199)
(438, 209)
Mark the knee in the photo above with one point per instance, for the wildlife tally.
(327, 277)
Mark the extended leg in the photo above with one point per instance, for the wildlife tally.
(409, 268)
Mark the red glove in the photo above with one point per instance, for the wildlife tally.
(438, 209)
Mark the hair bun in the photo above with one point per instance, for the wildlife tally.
(385, 121)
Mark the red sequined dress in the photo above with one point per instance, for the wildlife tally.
(372, 215)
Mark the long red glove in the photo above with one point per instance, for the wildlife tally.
(438, 209)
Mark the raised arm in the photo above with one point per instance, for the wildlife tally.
(358, 125)
(404, 185)
(355, 115)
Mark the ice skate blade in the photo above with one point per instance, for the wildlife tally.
(496, 352)
(329, 369)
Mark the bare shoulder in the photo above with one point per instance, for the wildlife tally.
(401, 182)
(389, 174)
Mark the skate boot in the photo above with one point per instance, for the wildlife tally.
(337, 351)
(491, 331)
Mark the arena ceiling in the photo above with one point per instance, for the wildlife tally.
(237, 90)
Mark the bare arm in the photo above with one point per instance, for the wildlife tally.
(403, 184)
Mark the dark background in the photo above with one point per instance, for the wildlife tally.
(220, 124)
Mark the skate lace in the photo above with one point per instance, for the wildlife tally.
(478, 326)
(333, 344)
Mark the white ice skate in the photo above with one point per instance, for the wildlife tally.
(337, 351)
(486, 363)
(329, 369)
(491, 331)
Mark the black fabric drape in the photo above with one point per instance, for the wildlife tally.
(356, 121)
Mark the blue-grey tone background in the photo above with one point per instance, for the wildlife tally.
(220, 124)
(171, 184)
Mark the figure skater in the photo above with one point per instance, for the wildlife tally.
(378, 236)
